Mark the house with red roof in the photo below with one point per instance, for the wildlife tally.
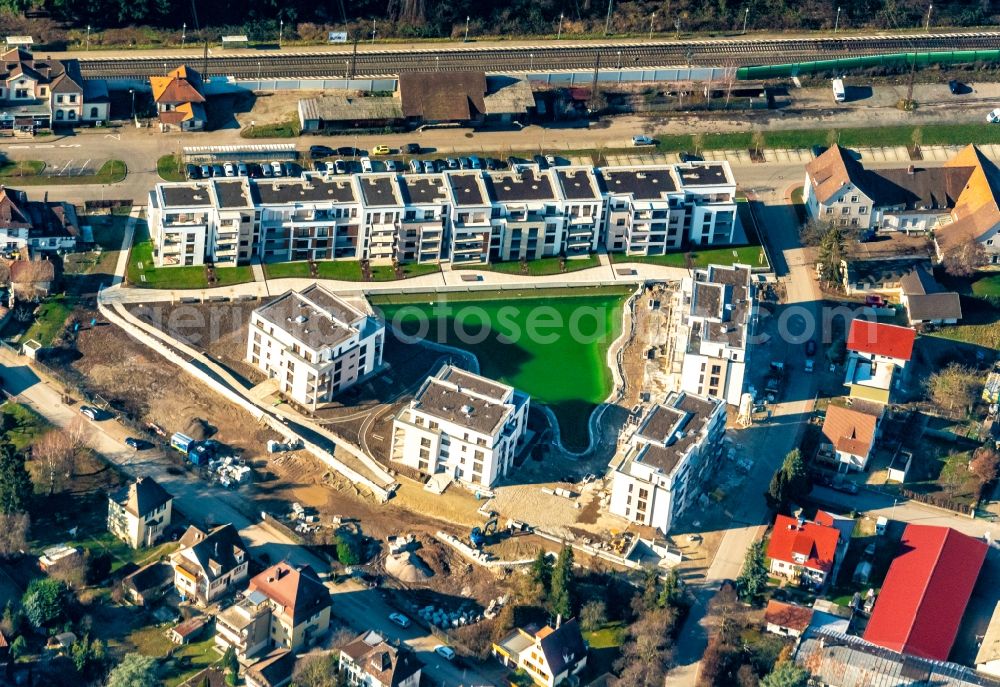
(878, 354)
(180, 101)
(926, 592)
(803, 551)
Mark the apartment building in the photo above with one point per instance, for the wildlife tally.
(202, 222)
(283, 607)
(653, 210)
(209, 564)
(461, 424)
(712, 319)
(668, 450)
(140, 512)
(314, 343)
(460, 216)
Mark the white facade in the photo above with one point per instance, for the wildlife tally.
(460, 216)
(461, 424)
(672, 448)
(713, 316)
(314, 343)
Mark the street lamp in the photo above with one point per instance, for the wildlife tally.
(184, 28)
(677, 27)
(466, 28)
(373, 30)
(927, 25)
(164, 68)
(607, 22)
(437, 62)
(88, 37)
(281, 30)
(746, 15)
(559, 35)
(651, 20)
(532, 63)
(836, 23)
(619, 59)
(258, 71)
(132, 91)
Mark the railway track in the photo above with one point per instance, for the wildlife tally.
(371, 63)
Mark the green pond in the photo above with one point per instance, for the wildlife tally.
(555, 349)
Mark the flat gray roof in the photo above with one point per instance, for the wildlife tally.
(186, 195)
(379, 190)
(525, 185)
(312, 188)
(643, 183)
(447, 403)
(467, 189)
(422, 189)
(233, 194)
(702, 174)
(577, 184)
(315, 317)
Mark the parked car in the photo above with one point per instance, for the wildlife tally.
(193, 172)
(464, 163)
(955, 86)
(994, 116)
(350, 151)
(206, 171)
(874, 300)
(429, 166)
(254, 171)
(445, 652)
(642, 140)
(366, 165)
(452, 163)
(391, 166)
(540, 161)
(242, 170)
(230, 169)
(867, 236)
(218, 171)
(276, 169)
(380, 150)
(89, 412)
(319, 152)
(493, 164)
(340, 167)
(474, 162)
(811, 347)
(329, 167)
(138, 444)
(551, 160)
(292, 169)
(690, 157)
(845, 486)
(399, 619)
(266, 170)
(416, 166)
(412, 149)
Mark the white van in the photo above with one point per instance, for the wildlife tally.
(366, 164)
(839, 94)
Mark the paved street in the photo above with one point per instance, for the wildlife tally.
(356, 606)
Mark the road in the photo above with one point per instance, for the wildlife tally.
(358, 607)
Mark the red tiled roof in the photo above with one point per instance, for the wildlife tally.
(926, 591)
(788, 615)
(881, 339)
(817, 542)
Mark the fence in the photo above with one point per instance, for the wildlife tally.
(838, 66)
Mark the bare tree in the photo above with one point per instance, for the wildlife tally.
(54, 454)
(955, 387)
(32, 279)
(985, 464)
(964, 260)
(13, 533)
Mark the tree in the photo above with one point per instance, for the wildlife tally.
(746, 676)
(15, 484)
(14, 533)
(18, 647)
(647, 654)
(954, 387)
(541, 570)
(55, 452)
(790, 480)
(985, 463)
(134, 670)
(348, 548)
(593, 615)
(563, 591)
(831, 253)
(964, 259)
(753, 577)
(44, 602)
(317, 670)
(229, 662)
(786, 674)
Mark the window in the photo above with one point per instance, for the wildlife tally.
(59, 114)
(863, 210)
(845, 211)
(854, 199)
(93, 113)
(71, 114)
(72, 97)
(829, 211)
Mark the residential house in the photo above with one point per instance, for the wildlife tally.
(41, 226)
(877, 358)
(149, 583)
(461, 424)
(274, 670)
(188, 630)
(315, 344)
(209, 565)
(179, 98)
(878, 276)
(670, 452)
(926, 591)
(712, 316)
(788, 620)
(976, 216)
(245, 626)
(39, 93)
(850, 433)
(300, 604)
(549, 655)
(988, 656)
(31, 280)
(836, 659)
(804, 552)
(140, 512)
(926, 301)
(371, 661)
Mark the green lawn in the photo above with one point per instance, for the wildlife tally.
(227, 276)
(987, 286)
(111, 172)
(24, 424)
(552, 348)
(344, 270)
(21, 168)
(50, 319)
(196, 656)
(540, 267)
(748, 255)
(979, 324)
(610, 636)
(387, 273)
(287, 129)
(142, 272)
(169, 168)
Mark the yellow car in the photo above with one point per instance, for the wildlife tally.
(380, 150)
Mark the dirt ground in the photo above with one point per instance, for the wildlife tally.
(274, 108)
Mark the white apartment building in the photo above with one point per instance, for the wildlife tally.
(712, 318)
(669, 450)
(202, 222)
(461, 424)
(458, 216)
(653, 210)
(314, 343)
